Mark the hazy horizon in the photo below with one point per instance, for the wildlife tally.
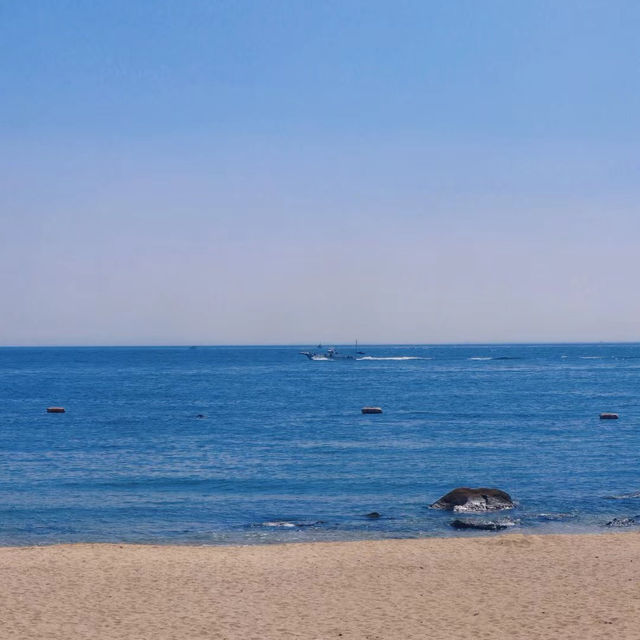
(316, 346)
(260, 173)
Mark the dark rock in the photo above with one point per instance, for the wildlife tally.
(373, 515)
(465, 499)
(200, 416)
(609, 416)
(622, 522)
(482, 525)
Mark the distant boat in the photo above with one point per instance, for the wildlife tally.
(331, 354)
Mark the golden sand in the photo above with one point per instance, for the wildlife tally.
(511, 586)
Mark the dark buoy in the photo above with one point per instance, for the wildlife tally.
(371, 410)
(55, 409)
(609, 416)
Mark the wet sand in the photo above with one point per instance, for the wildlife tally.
(508, 586)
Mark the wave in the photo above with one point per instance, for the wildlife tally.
(496, 358)
(591, 357)
(555, 516)
(285, 524)
(374, 358)
(625, 496)
(394, 358)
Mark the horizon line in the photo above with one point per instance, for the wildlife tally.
(188, 345)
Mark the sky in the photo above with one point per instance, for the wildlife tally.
(292, 172)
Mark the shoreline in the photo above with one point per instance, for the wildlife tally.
(455, 535)
(511, 585)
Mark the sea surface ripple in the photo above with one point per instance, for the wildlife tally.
(282, 453)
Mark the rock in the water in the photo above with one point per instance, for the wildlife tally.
(373, 515)
(482, 525)
(622, 522)
(464, 499)
(609, 416)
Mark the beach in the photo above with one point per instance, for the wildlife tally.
(507, 586)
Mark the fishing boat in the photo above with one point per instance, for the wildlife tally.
(332, 354)
(329, 354)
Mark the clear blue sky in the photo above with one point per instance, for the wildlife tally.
(178, 172)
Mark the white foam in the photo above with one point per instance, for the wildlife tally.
(624, 496)
(287, 525)
(394, 358)
(487, 358)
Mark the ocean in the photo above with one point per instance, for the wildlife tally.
(282, 453)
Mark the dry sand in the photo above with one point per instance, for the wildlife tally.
(510, 586)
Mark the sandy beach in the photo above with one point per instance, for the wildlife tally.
(510, 586)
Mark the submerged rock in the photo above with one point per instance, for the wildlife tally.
(373, 515)
(622, 522)
(483, 525)
(464, 499)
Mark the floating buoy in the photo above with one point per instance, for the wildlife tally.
(55, 409)
(371, 410)
(609, 416)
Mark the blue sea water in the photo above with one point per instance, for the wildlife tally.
(284, 453)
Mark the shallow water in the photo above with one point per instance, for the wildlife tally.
(284, 454)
